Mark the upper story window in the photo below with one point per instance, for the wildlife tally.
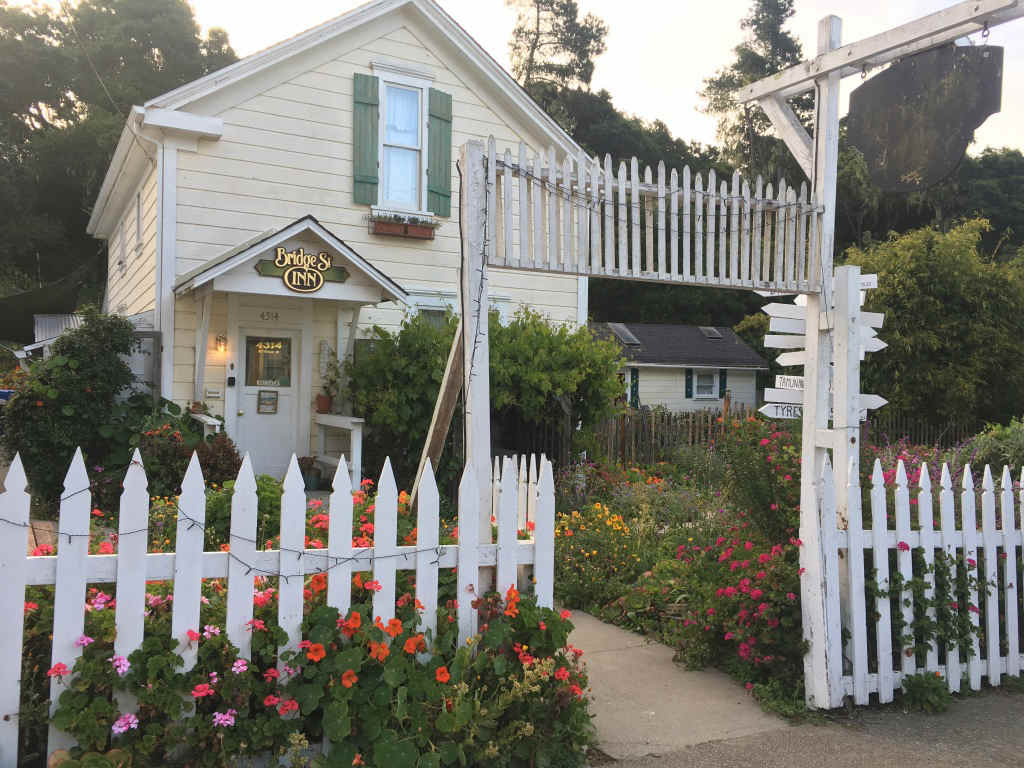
(402, 170)
(402, 141)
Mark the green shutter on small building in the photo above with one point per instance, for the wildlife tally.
(439, 153)
(689, 383)
(634, 387)
(722, 383)
(365, 122)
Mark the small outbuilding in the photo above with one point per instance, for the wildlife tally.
(685, 367)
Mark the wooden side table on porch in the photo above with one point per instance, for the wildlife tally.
(354, 427)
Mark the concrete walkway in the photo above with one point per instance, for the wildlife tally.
(646, 704)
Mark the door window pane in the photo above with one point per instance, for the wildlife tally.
(402, 122)
(268, 361)
(401, 173)
(705, 385)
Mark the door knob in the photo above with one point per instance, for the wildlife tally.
(241, 413)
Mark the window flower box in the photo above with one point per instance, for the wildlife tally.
(402, 225)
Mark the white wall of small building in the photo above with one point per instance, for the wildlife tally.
(131, 253)
(666, 386)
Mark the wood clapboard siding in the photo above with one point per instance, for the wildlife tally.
(286, 151)
(667, 387)
(132, 289)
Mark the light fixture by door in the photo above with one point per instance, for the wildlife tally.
(222, 343)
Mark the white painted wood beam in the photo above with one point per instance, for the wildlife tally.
(202, 342)
(927, 32)
(786, 124)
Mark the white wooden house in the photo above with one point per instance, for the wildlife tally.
(238, 209)
(685, 367)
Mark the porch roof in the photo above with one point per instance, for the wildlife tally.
(270, 239)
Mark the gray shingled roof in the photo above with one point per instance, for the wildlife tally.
(671, 344)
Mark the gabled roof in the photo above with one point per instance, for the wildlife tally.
(263, 242)
(681, 345)
(428, 9)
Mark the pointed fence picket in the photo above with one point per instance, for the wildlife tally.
(572, 218)
(246, 560)
(903, 547)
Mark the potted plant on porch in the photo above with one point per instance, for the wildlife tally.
(331, 385)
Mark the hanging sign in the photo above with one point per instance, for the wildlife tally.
(302, 271)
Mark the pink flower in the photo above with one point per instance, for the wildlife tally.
(972, 562)
(790, 596)
(755, 594)
(711, 611)
(193, 636)
(121, 664)
(373, 586)
(254, 624)
(210, 630)
(202, 690)
(902, 546)
(124, 723)
(58, 670)
(240, 666)
(224, 718)
(564, 614)
(271, 674)
(728, 636)
(749, 686)
(214, 678)
(84, 640)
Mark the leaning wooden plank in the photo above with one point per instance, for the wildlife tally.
(969, 526)
(904, 562)
(950, 544)
(292, 580)
(444, 408)
(1011, 536)
(925, 517)
(858, 609)
(132, 541)
(69, 584)
(385, 541)
(428, 517)
(507, 519)
(991, 583)
(469, 561)
(339, 540)
(15, 502)
(544, 538)
(241, 575)
(883, 607)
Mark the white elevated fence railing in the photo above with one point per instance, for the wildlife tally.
(910, 530)
(73, 568)
(583, 217)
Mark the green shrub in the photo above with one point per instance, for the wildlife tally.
(926, 693)
(268, 516)
(1000, 444)
(67, 400)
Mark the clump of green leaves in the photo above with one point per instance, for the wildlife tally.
(926, 693)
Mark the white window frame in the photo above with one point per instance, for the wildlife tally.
(421, 81)
(445, 300)
(697, 372)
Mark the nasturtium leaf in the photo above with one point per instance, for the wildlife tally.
(393, 676)
(500, 665)
(395, 754)
(463, 713)
(445, 722)
(448, 751)
(429, 760)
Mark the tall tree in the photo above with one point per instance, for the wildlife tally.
(70, 76)
(743, 129)
(553, 49)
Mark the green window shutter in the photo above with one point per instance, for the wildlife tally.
(439, 154)
(634, 387)
(722, 382)
(365, 122)
(689, 383)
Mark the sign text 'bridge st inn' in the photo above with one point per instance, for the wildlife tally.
(587, 217)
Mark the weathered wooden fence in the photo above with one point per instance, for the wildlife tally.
(581, 217)
(888, 426)
(899, 562)
(519, 491)
(644, 436)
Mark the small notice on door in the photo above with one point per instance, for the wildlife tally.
(266, 401)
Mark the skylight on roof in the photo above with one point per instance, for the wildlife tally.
(710, 332)
(624, 334)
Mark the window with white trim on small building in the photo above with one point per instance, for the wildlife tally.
(402, 137)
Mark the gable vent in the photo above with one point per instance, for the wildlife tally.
(710, 332)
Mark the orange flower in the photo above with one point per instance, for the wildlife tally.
(357, 581)
(394, 627)
(358, 759)
(414, 644)
(319, 582)
(442, 675)
(379, 651)
(349, 678)
(316, 652)
(348, 628)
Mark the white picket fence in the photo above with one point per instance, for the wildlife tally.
(73, 568)
(990, 551)
(583, 218)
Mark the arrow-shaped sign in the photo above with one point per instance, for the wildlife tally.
(789, 382)
(784, 310)
(787, 359)
(783, 342)
(781, 411)
(786, 325)
(796, 397)
(872, 344)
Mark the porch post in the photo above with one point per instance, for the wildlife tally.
(476, 349)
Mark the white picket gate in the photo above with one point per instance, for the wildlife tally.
(581, 217)
(990, 551)
(73, 568)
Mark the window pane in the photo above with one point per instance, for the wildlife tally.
(402, 122)
(705, 384)
(400, 176)
(268, 361)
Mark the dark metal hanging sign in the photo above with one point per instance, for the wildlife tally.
(913, 121)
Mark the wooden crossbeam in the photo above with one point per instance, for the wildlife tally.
(921, 34)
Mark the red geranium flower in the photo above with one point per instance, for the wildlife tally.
(442, 675)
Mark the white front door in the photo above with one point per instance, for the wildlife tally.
(267, 397)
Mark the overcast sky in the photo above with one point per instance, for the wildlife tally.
(659, 51)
